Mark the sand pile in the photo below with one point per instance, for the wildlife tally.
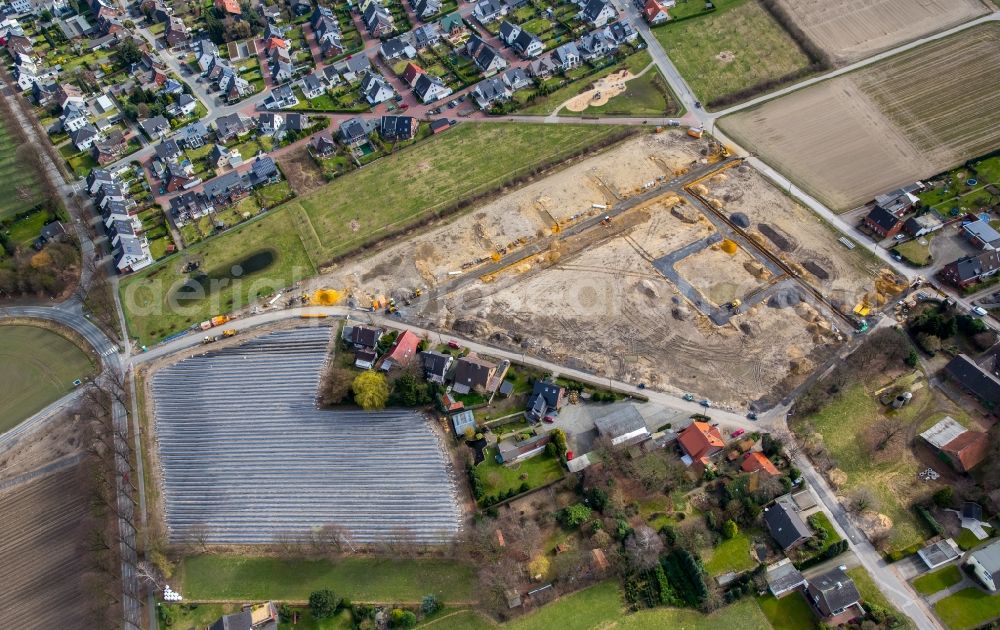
(685, 213)
(604, 90)
(757, 270)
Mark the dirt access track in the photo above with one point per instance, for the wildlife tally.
(595, 301)
(900, 120)
(849, 30)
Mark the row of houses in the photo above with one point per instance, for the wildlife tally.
(129, 247)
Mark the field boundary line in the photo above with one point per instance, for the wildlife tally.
(67, 461)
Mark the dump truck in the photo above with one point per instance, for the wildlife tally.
(229, 332)
(696, 132)
(219, 320)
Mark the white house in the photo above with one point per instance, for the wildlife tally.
(985, 564)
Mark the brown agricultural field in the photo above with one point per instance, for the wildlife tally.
(850, 30)
(42, 568)
(916, 114)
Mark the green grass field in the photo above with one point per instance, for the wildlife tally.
(37, 367)
(870, 593)
(730, 50)
(340, 621)
(930, 583)
(968, 608)
(823, 522)
(842, 424)
(20, 187)
(391, 194)
(916, 252)
(239, 578)
(791, 612)
(729, 555)
(498, 479)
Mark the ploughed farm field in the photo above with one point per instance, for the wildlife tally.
(246, 457)
(902, 119)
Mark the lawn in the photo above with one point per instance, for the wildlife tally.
(966, 540)
(729, 555)
(26, 230)
(870, 593)
(843, 423)
(743, 615)
(471, 159)
(20, 188)
(822, 521)
(498, 479)
(731, 50)
(37, 367)
(195, 615)
(930, 583)
(968, 608)
(547, 104)
(643, 96)
(594, 607)
(239, 578)
(791, 612)
(917, 251)
(149, 297)
(952, 189)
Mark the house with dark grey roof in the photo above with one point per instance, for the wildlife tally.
(985, 564)
(783, 578)
(489, 92)
(473, 374)
(786, 526)
(396, 48)
(982, 235)
(545, 397)
(516, 79)
(397, 128)
(263, 171)
(426, 9)
(430, 88)
(969, 270)
(597, 13)
(487, 11)
(355, 131)
(168, 151)
(84, 137)
(566, 56)
(835, 597)
(426, 36)
(435, 365)
(226, 189)
(377, 20)
(622, 32)
(155, 127)
(322, 145)
(883, 222)
(97, 178)
(488, 60)
(969, 376)
(362, 337)
(353, 68)
(376, 89)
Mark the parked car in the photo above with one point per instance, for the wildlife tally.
(689, 397)
(751, 415)
(738, 432)
(979, 311)
(706, 403)
(454, 344)
(548, 419)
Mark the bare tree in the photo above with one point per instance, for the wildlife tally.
(883, 436)
(643, 548)
(861, 500)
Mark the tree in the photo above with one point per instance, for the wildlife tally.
(539, 565)
(338, 386)
(430, 604)
(371, 391)
(930, 343)
(643, 548)
(884, 434)
(128, 52)
(944, 497)
(400, 618)
(862, 500)
(323, 604)
(574, 515)
(730, 529)
(410, 391)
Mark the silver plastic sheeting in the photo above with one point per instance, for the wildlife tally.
(247, 457)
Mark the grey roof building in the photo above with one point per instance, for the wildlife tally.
(786, 526)
(622, 425)
(974, 379)
(783, 578)
(833, 593)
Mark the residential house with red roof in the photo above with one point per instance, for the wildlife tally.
(701, 441)
(755, 461)
(403, 352)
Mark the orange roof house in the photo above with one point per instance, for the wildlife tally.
(757, 461)
(411, 73)
(275, 42)
(967, 450)
(231, 7)
(403, 351)
(701, 441)
(654, 12)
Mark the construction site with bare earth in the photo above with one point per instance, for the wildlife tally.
(662, 262)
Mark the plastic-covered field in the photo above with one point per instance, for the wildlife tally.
(247, 457)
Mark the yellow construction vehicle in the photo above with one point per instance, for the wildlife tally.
(735, 304)
(229, 332)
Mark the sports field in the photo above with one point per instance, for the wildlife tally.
(19, 185)
(388, 196)
(37, 367)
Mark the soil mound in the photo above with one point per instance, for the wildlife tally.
(785, 298)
